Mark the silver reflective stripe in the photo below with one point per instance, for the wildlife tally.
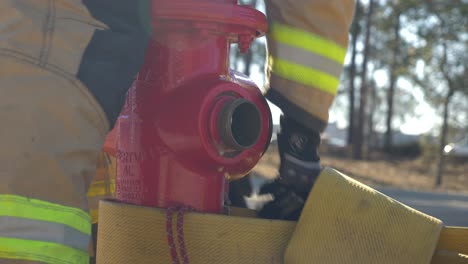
(304, 164)
(21, 228)
(308, 59)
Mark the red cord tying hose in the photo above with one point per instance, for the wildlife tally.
(181, 210)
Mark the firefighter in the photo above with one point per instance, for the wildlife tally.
(307, 44)
(65, 68)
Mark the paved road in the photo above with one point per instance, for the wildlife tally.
(452, 209)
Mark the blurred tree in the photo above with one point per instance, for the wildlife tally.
(393, 76)
(255, 55)
(359, 137)
(442, 27)
(393, 54)
(373, 104)
(248, 57)
(355, 32)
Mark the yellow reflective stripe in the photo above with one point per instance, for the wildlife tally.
(19, 206)
(94, 215)
(32, 250)
(308, 41)
(304, 75)
(101, 188)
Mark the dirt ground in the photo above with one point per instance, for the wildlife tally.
(381, 171)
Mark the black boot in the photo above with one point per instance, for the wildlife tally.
(299, 168)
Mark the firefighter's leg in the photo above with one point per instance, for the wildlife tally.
(51, 133)
(307, 45)
(63, 77)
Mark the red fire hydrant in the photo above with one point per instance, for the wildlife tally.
(189, 122)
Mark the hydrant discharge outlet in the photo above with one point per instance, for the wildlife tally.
(189, 123)
(240, 124)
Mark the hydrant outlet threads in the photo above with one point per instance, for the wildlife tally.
(240, 124)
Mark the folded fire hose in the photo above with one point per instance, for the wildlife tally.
(343, 221)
